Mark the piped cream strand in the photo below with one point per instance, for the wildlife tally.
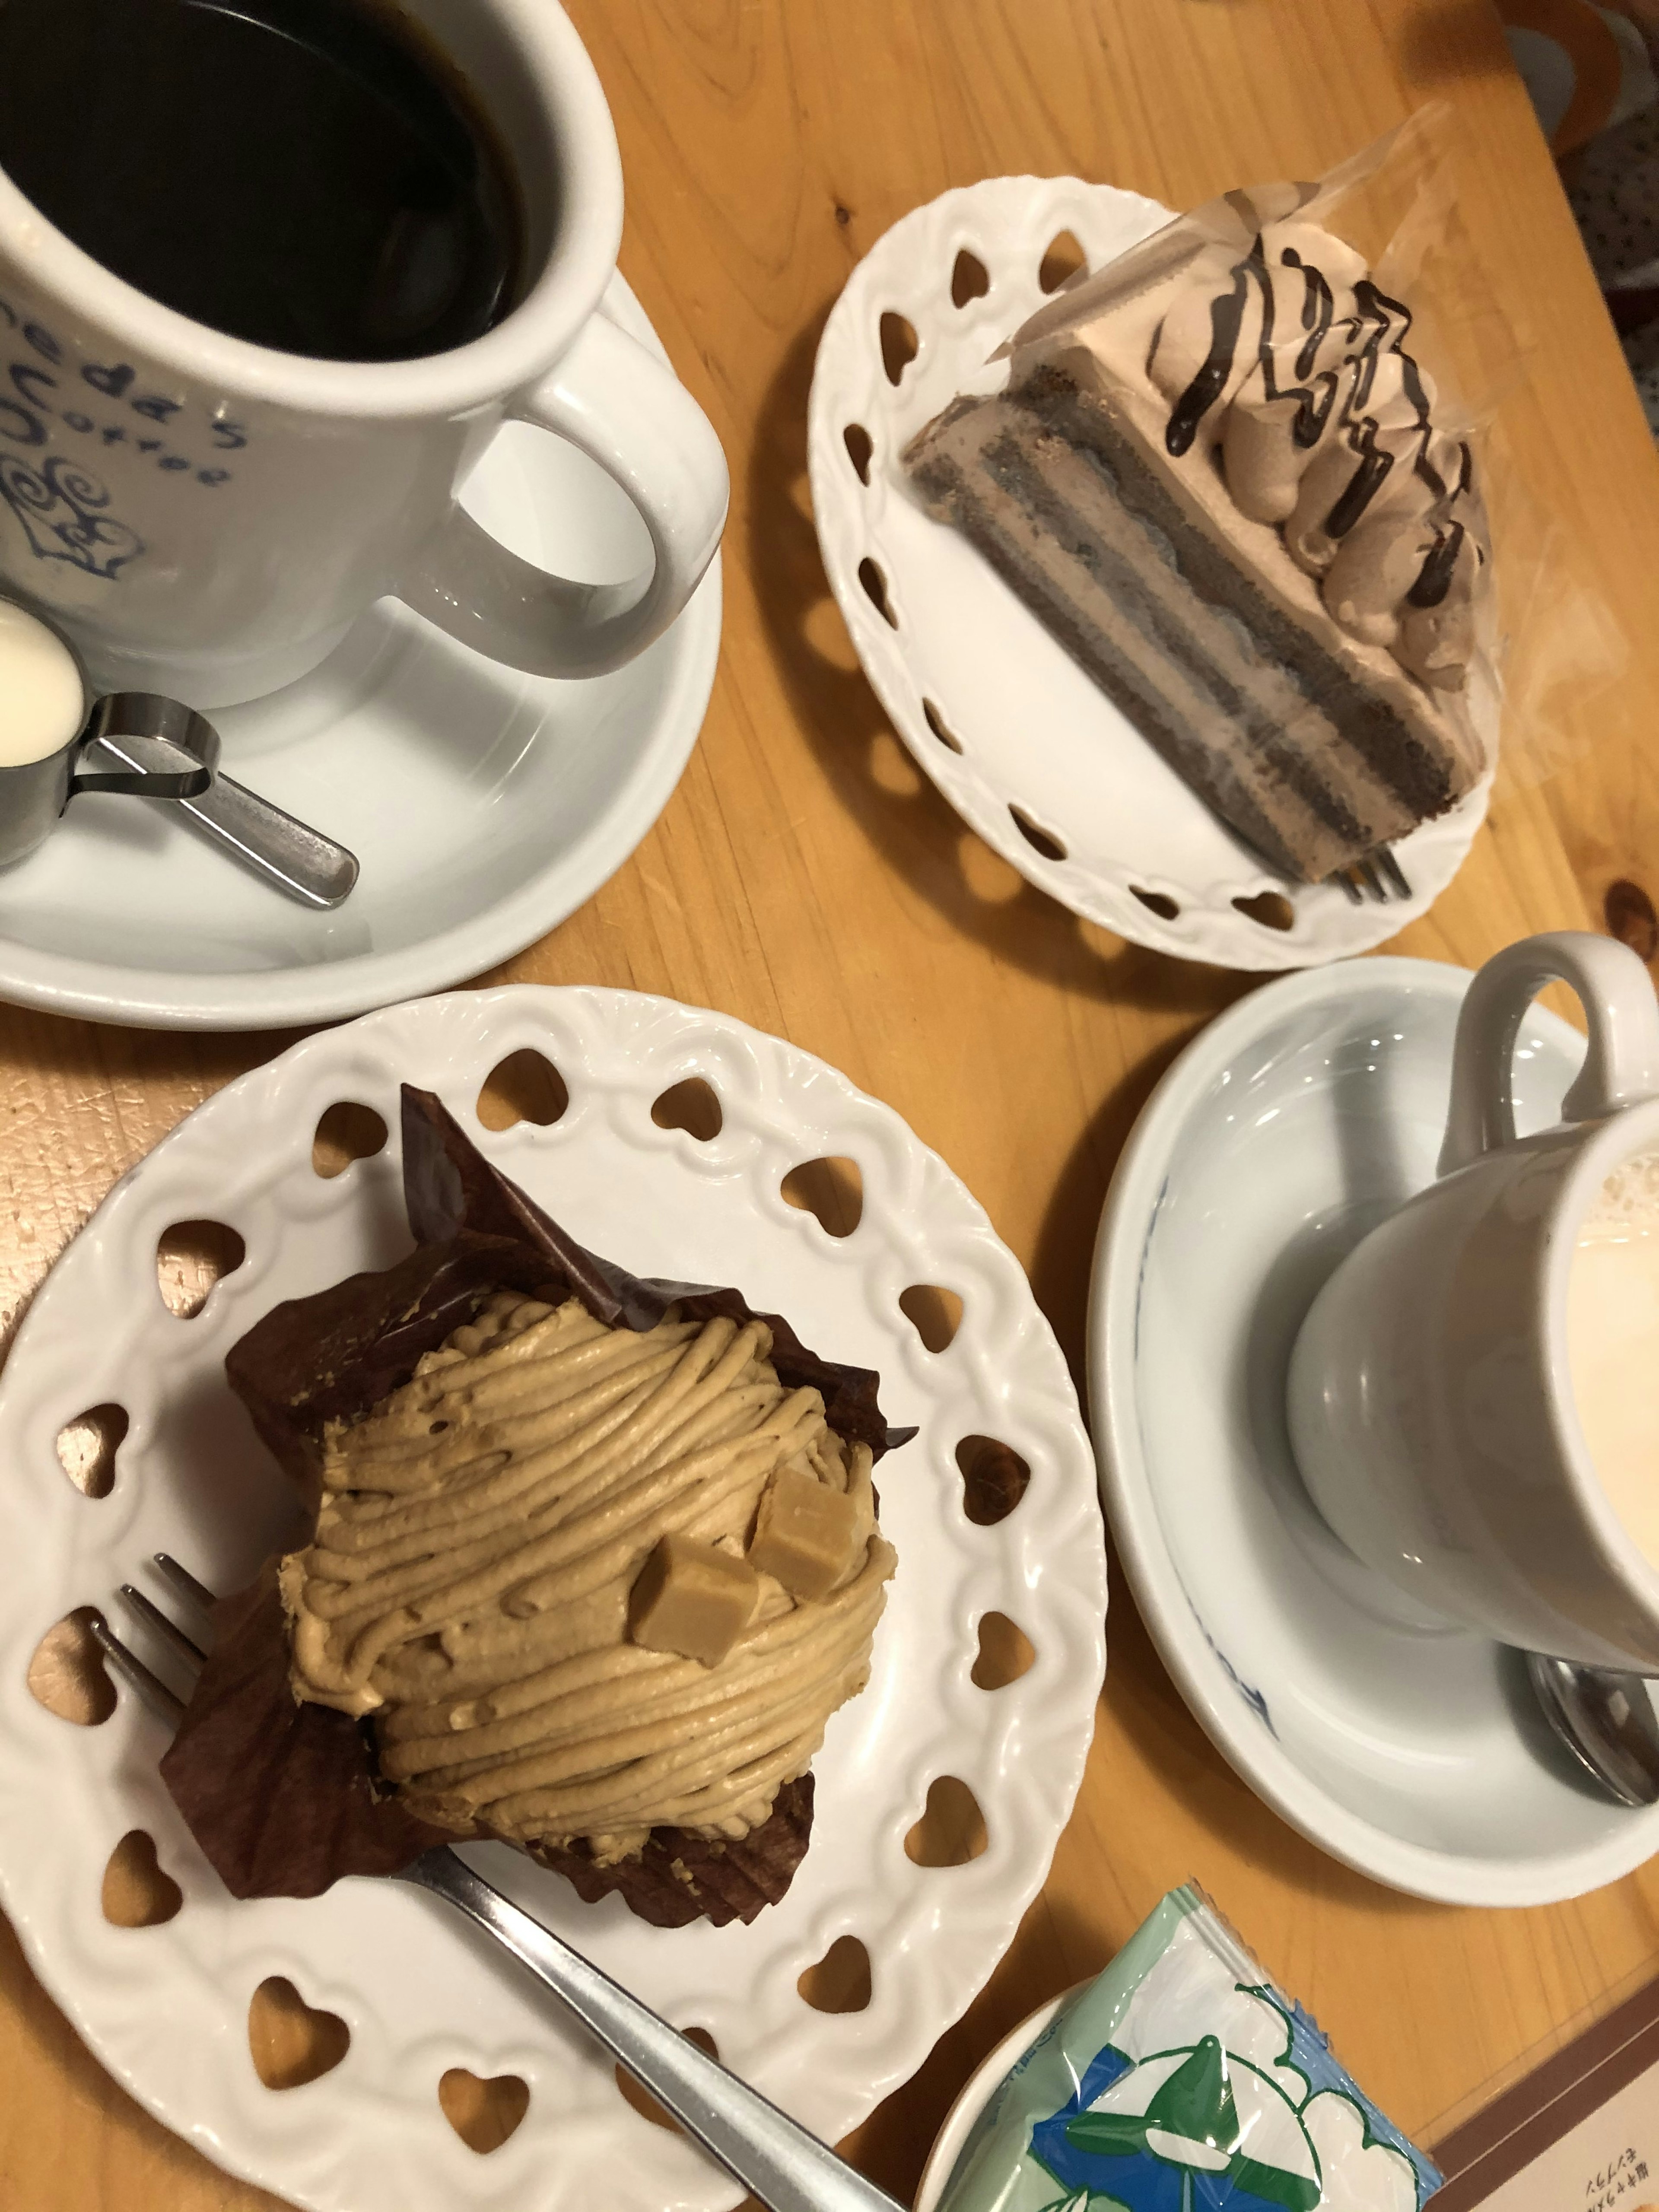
(481, 1531)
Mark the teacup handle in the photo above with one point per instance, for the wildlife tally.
(628, 411)
(1620, 1068)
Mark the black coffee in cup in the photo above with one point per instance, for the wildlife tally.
(307, 174)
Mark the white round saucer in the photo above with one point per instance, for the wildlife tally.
(1022, 742)
(485, 805)
(1410, 1749)
(974, 2094)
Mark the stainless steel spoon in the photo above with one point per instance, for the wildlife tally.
(1606, 1719)
(287, 853)
(138, 744)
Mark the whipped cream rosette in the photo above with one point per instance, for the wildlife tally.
(1279, 355)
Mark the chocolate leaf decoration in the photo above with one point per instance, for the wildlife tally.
(334, 1356)
(283, 1797)
(453, 1194)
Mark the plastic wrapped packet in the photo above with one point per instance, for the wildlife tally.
(1182, 2080)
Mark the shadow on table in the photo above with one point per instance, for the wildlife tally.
(1062, 1259)
(1456, 39)
(907, 819)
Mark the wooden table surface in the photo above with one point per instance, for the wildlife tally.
(807, 880)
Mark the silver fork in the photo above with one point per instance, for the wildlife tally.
(770, 2155)
(1377, 875)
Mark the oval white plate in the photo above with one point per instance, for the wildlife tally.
(485, 805)
(165, 2007)
(1024, 745)
(1409, 1748)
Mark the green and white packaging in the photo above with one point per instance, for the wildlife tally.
(1182, 2080)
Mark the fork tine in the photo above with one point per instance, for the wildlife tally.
(1393, 874)
(1351, 890)
(132, 1670)
(168, 1631)
(1370, 882)
(186, 1584)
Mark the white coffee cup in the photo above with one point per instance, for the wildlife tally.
(1430, 1400)
(207, 518)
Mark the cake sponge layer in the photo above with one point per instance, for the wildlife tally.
(1312, 748)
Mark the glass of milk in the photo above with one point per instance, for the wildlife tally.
(1474, 1398)
(48, 734)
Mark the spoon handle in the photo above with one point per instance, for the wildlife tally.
(768, 2153)
(289, 853)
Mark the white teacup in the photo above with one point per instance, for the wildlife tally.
(205, 517)
(1430, 1400)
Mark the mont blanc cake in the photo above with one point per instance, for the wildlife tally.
(590, 1562)
(1222, 480)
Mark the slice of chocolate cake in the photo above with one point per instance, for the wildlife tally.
(1222, 491)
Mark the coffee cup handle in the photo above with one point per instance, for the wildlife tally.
(627, 410)
(1620, 1068)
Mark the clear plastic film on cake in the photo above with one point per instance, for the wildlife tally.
(1534, 631)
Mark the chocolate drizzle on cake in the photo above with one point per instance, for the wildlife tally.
(1226, 321)
(1325, 425)
(1227, 494)
(1377, 326)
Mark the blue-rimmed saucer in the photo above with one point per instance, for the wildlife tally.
(1409, 1748)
